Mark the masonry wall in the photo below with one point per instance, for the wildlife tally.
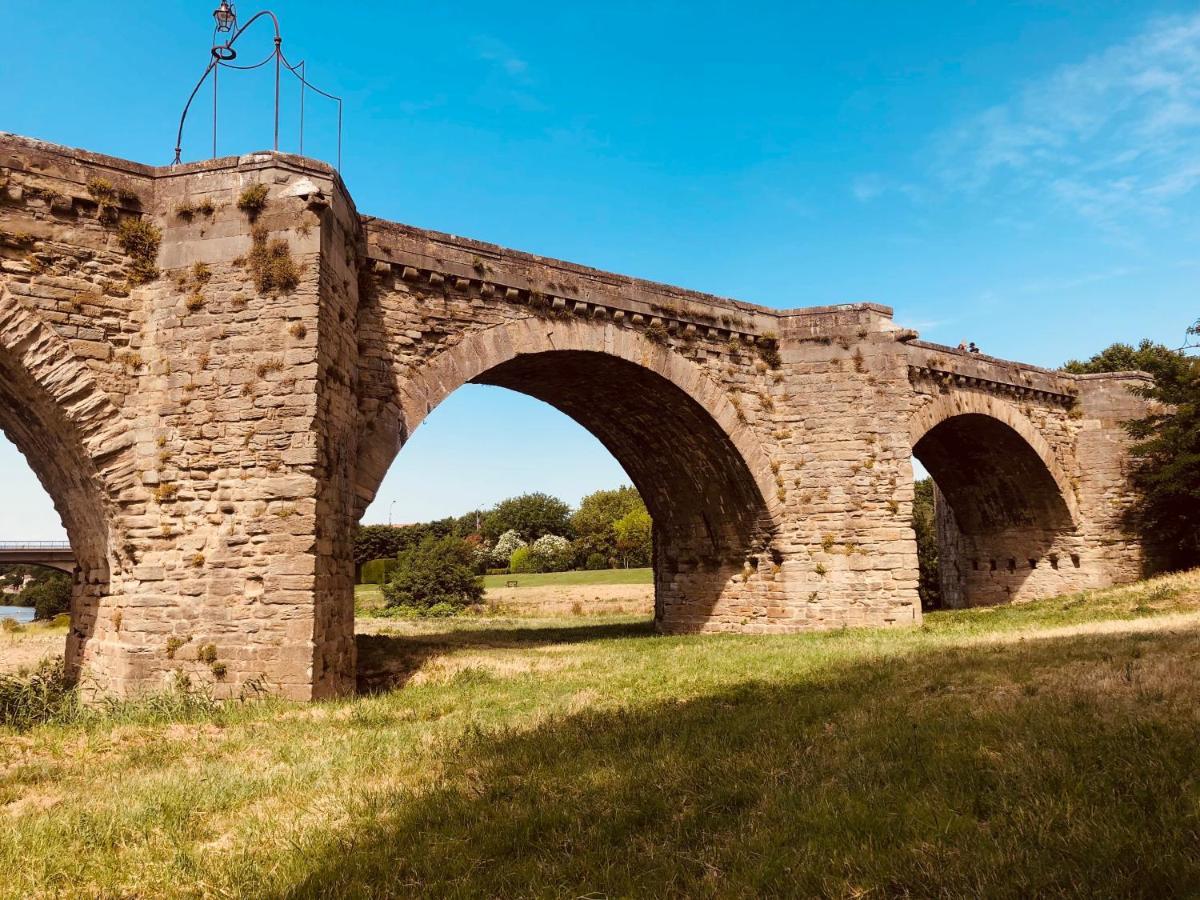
(210, 562)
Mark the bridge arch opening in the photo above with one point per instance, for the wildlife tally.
(37, 393)
(667, 426)
(1003, 517)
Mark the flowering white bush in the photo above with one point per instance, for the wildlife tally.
(551, 553)
(505, 545)
(483, 556)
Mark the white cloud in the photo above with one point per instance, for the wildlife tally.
(1115, 135)
(495, 51)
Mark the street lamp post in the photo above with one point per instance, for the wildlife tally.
(223, 54)
(391, 506)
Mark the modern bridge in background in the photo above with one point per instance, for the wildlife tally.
(50, 554)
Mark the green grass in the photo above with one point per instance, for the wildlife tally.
(558, 579)
(1022, 751)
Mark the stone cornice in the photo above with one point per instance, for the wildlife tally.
(993, 385)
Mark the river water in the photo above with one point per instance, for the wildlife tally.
(20, 613)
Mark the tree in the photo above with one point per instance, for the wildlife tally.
(551, 553)
(507, 544)
(380, 541)
(635, 541)
(597, 511)
(435, 577)
(1156, 360)
(1165, 455)
(929, 585)
(376, 542)
(586, 548)
(49, 596)
(530, 515)
(1166, 470)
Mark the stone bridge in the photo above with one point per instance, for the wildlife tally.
(211, 382)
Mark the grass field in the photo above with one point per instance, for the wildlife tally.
(1046, 749)
(369, 600)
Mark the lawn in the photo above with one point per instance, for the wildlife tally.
(368, 599)
(1046, 749)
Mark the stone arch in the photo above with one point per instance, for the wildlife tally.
(961, 407)
(1007, 517)
(56, 414)
(704, 477)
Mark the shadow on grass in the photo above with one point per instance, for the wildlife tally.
(387, 661)
(1059, 768)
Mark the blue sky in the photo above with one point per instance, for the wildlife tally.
(1023, 175)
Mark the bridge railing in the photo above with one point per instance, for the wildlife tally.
(35, 545)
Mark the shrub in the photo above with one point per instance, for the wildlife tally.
(437, 571)
(522, 562)
(377, 571)
(44, 696)
(506, 545)
(551, 553)
(596, 562)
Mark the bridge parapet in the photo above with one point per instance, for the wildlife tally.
(474, 268)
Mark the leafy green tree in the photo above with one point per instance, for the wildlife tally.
(530, 515)
(1165, 456)
(635, 540)
(597, 511)
(1166, 470)
(436, 576)
(376, 542)
(49, 596)
(1156, 360)
(929, 585)
(379, 541)
(586, 548)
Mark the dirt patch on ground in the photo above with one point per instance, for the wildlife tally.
(584, 599)
(24, 650)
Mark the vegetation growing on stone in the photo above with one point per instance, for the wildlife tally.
(140, 240)
(768, 350)
(270, 262)
(253, 200)
(656, 333)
